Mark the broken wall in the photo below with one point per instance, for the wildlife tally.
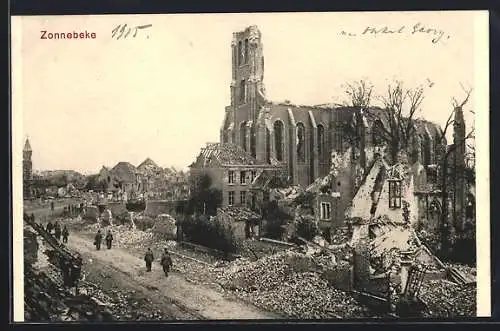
(157, 207)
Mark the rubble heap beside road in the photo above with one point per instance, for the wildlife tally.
(284, 283)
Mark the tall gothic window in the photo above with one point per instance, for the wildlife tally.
(243, 136)
(321, 143)
(268, 146)
(377, 133)
(246, 51)
(243, 91)
(427, 150)
(252, 141)
(301, 143)
(278, 140)
(240, 53)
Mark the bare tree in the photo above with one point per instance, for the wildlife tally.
(394, 122)
(359, 94)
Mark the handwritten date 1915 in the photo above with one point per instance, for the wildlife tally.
(123, 31)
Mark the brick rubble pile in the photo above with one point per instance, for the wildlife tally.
(283, 283)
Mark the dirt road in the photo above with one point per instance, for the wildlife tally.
(188, 300)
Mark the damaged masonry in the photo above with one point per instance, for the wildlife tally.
(298, 212)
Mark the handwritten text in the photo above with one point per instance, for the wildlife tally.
(123, 31)
(436, 35)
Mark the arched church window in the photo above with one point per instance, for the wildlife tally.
(243, 91)
(321, 142)
(268, 146)
(301, 143)
(426, 150)
(278, 140)
(243, 136)
(246, 51)
(377, 133)
(240, 53)
(252, 141)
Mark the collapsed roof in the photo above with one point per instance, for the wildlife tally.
(215, 155)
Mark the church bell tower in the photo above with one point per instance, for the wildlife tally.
(247, 87)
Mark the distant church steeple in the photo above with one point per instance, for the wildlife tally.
(27, 162)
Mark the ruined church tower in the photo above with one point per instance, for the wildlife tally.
(247, 90)
(247, 86)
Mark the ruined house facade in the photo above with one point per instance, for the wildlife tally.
(301, 138)
(232, 171)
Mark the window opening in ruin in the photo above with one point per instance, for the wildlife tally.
(325, 210)
(395, 194)
(301, 146)
(243, 197)
(252, 142)
(243, 136)
(243, 179)
(245, 56)
(253, 175)
(243, 91)
(231, 177)
(377, 133)
(426, 150)
(321, 143)
(230, 198)
(278, 140)
(268, 146)
(240, 54)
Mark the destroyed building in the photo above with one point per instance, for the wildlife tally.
(147, 179)
(299, 137)
(232, 171)
(306, 140)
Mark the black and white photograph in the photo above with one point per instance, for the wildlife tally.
(258, 166)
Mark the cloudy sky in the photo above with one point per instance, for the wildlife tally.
(88, 103)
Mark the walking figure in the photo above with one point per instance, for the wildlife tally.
(65, 234)
(50, 227)
(57, 231)
(149, 257)
(52, 205)
(98, 240)
(109, 239)
(166, 262)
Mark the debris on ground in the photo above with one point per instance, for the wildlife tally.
(447, 299)
(283, 283)
(123, 235)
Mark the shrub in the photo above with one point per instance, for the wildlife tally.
(211, 233)
(275, 220)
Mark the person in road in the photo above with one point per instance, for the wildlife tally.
(166, 262)
(109, 239)
(57, 230)
(65, 234)
(149, 257)
(52, 205)
(98, 240)
(49, 227)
